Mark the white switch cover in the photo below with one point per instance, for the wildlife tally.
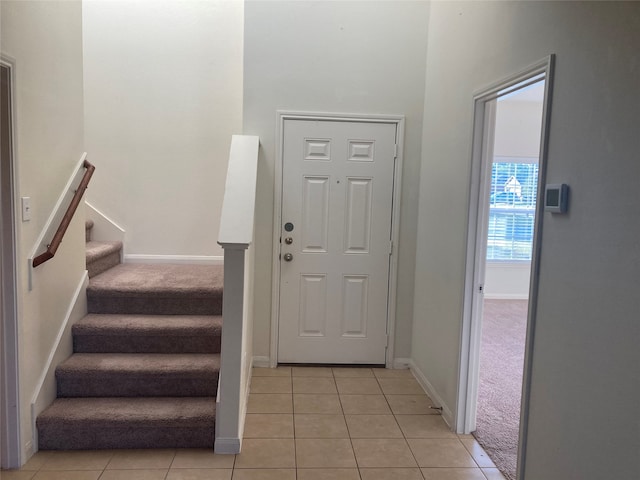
(26, 209)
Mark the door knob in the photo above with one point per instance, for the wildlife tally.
(288, 257)
(288, 240)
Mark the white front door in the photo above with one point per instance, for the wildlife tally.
(335, 241)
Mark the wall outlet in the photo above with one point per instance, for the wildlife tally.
(26, 209)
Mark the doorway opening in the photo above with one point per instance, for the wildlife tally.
(513, 174)
(509, 151)
(9, 396)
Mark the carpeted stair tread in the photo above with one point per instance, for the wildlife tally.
(142, 411)
(188, 364)
(92, 423)
(168, 325)
(160, 279)
(146, 365)
(116, 333)
(157, 289)
(138, 374)
(97, 250)
(101, 256)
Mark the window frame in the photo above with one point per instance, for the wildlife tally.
(530, 209)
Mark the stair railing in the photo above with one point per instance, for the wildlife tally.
(236, 238)
(52, 247)
(58, 222)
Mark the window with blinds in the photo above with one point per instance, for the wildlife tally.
(512, 205)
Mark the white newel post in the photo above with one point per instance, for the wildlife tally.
(228, 421)
(236, 238)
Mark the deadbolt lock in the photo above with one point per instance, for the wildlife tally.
(288, 240)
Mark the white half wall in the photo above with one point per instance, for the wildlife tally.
(104, 229)
(45, 40)
(163, 95)
(507, 281)
(345, 57)
(583, 421)
(46, 389)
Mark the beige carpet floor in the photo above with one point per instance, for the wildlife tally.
(501, 362)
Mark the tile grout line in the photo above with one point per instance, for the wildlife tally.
(112, 454)
(293, 421)
(235, 455)
(401, 431)
(470, 454)
(404, 436)
(344, 417)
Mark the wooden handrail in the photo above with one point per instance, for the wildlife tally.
(66, 220)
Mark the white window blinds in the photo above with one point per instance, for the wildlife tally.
(512, 204)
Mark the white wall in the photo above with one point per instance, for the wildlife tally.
(163, 95)
(45, 39)
(583, 419)
(518, 126)
(353, 57)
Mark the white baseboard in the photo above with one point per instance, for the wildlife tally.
(45, 392)
(227, 446)
(244, 396)
(401, 363)
(447, 415)
(182, 259)
(261, 362)
(506, 296)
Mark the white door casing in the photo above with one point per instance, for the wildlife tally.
(481, 227)
(470, 338)
(337, 193)
(10, 439)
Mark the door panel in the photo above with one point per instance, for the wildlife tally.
(337, 194)
(313, 306)
(355, 294)
(315, 214)
(358, 219)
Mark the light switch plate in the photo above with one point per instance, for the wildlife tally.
(26, 209)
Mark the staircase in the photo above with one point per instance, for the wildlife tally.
(144, 372)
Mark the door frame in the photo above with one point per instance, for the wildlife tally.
(471, 331)
(281, 117)
(10, 443)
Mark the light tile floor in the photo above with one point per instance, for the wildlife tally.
(303, 423)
